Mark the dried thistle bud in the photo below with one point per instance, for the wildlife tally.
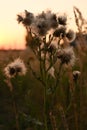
(66, 56)
(76, 75)
(70, 35)
(27, 19)
(62, 20)
(53, 19)
(61, 31)
(42, 26)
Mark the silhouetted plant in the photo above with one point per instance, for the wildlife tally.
(12, 70)
(44, 33)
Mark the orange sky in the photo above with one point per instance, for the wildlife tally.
(12, 34)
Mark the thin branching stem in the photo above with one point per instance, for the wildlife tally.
(72, 91)
(35, 75)
(58, 77)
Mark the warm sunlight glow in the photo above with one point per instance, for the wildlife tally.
(12, 34)
(10, 38)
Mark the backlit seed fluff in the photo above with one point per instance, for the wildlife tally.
(70, 35)
(66, 56)
(17, 67)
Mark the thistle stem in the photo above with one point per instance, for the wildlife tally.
(11, 88)
(45, 108)
(16, 114)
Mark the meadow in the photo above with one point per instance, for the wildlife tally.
(49, 96)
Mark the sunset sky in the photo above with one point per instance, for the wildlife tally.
(12, 34)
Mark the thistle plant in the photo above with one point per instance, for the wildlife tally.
(12, 70)
(44, 34)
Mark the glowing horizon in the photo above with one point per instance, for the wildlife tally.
(12, 34)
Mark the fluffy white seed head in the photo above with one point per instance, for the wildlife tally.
(17, 67)
(67, 56)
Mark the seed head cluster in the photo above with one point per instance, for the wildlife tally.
(46, 21)
(42, 22)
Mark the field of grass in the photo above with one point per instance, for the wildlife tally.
(29, 97)
(29, 94)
